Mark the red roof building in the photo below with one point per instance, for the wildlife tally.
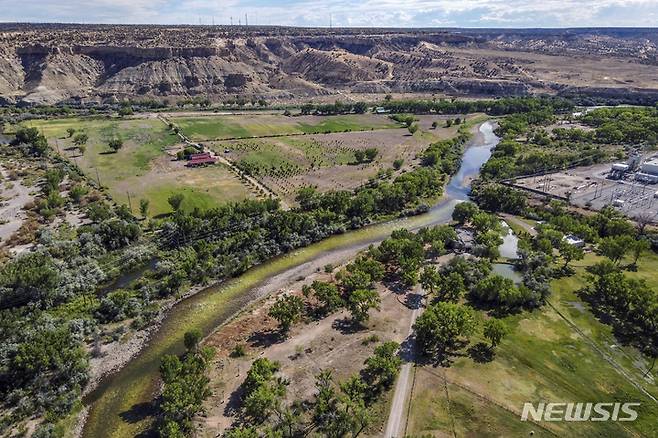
(201, 161)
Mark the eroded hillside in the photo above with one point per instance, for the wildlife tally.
(55, 63)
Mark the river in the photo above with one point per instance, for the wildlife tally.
(119, 407)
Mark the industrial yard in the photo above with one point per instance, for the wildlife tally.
(629, 186)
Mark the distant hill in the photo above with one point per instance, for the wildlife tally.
(50, 63)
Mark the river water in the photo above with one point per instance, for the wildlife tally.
(119, 407)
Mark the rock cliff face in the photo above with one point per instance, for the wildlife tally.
(59, 63)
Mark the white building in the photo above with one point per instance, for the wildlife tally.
(574, 240)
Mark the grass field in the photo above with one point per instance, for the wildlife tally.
(142, 166)
(244, 126)
(544, 359)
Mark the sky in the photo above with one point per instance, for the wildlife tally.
(359, 13)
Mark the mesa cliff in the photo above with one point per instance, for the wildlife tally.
(46, 64)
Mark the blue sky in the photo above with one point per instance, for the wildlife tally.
(369, 13)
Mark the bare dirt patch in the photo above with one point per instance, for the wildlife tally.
(315, 345)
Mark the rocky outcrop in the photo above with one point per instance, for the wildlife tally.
(55, 63)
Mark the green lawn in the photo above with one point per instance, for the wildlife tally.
(144, 140)
(202, 188)
(244, 126)
(543, 359)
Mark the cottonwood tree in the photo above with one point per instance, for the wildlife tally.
(287, 310)
(464, 211)
(327, 294)
(451, 287)
(430, 278)
(570, 253)
(383, 366)
(442, 326)
(616, 247)
(361, 301)
(495, 330)
(638, 248)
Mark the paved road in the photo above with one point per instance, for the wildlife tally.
(396, 418)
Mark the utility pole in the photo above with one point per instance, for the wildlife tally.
(231, 20)
(130, 205)
(246, 20)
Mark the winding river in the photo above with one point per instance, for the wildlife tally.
(119, 406)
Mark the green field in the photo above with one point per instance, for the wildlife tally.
(202, 188)
(141, 167)
(543, 359)
(144, 140)
(244, 126)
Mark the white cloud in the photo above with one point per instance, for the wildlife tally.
(375, 13)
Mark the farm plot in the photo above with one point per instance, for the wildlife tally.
(144, 167)
(327, 161)
(224, 127)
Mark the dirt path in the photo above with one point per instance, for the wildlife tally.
(516, 221)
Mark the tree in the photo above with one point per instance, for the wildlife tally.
(144, 207)
(262, 391)
(497, 289)
(82, 148)
(176, 200)
(451, 287)
(464, 211)
(371, 154)
(441, 327)
(116, 144)
(483, 222)
(495, 330)
(287, 310)
(383, 366)
(37, 142)
(616, 247)
(430, 278)
(448, 123)
(398, 163)
(185, 387)
(639, 246)
(642, 220)
(412, 129)
(70, 132)
(361, 301)
(328, 295)
(570, 252)
(191, 339)
(80, 139)
(264, 400)
(435, 124)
